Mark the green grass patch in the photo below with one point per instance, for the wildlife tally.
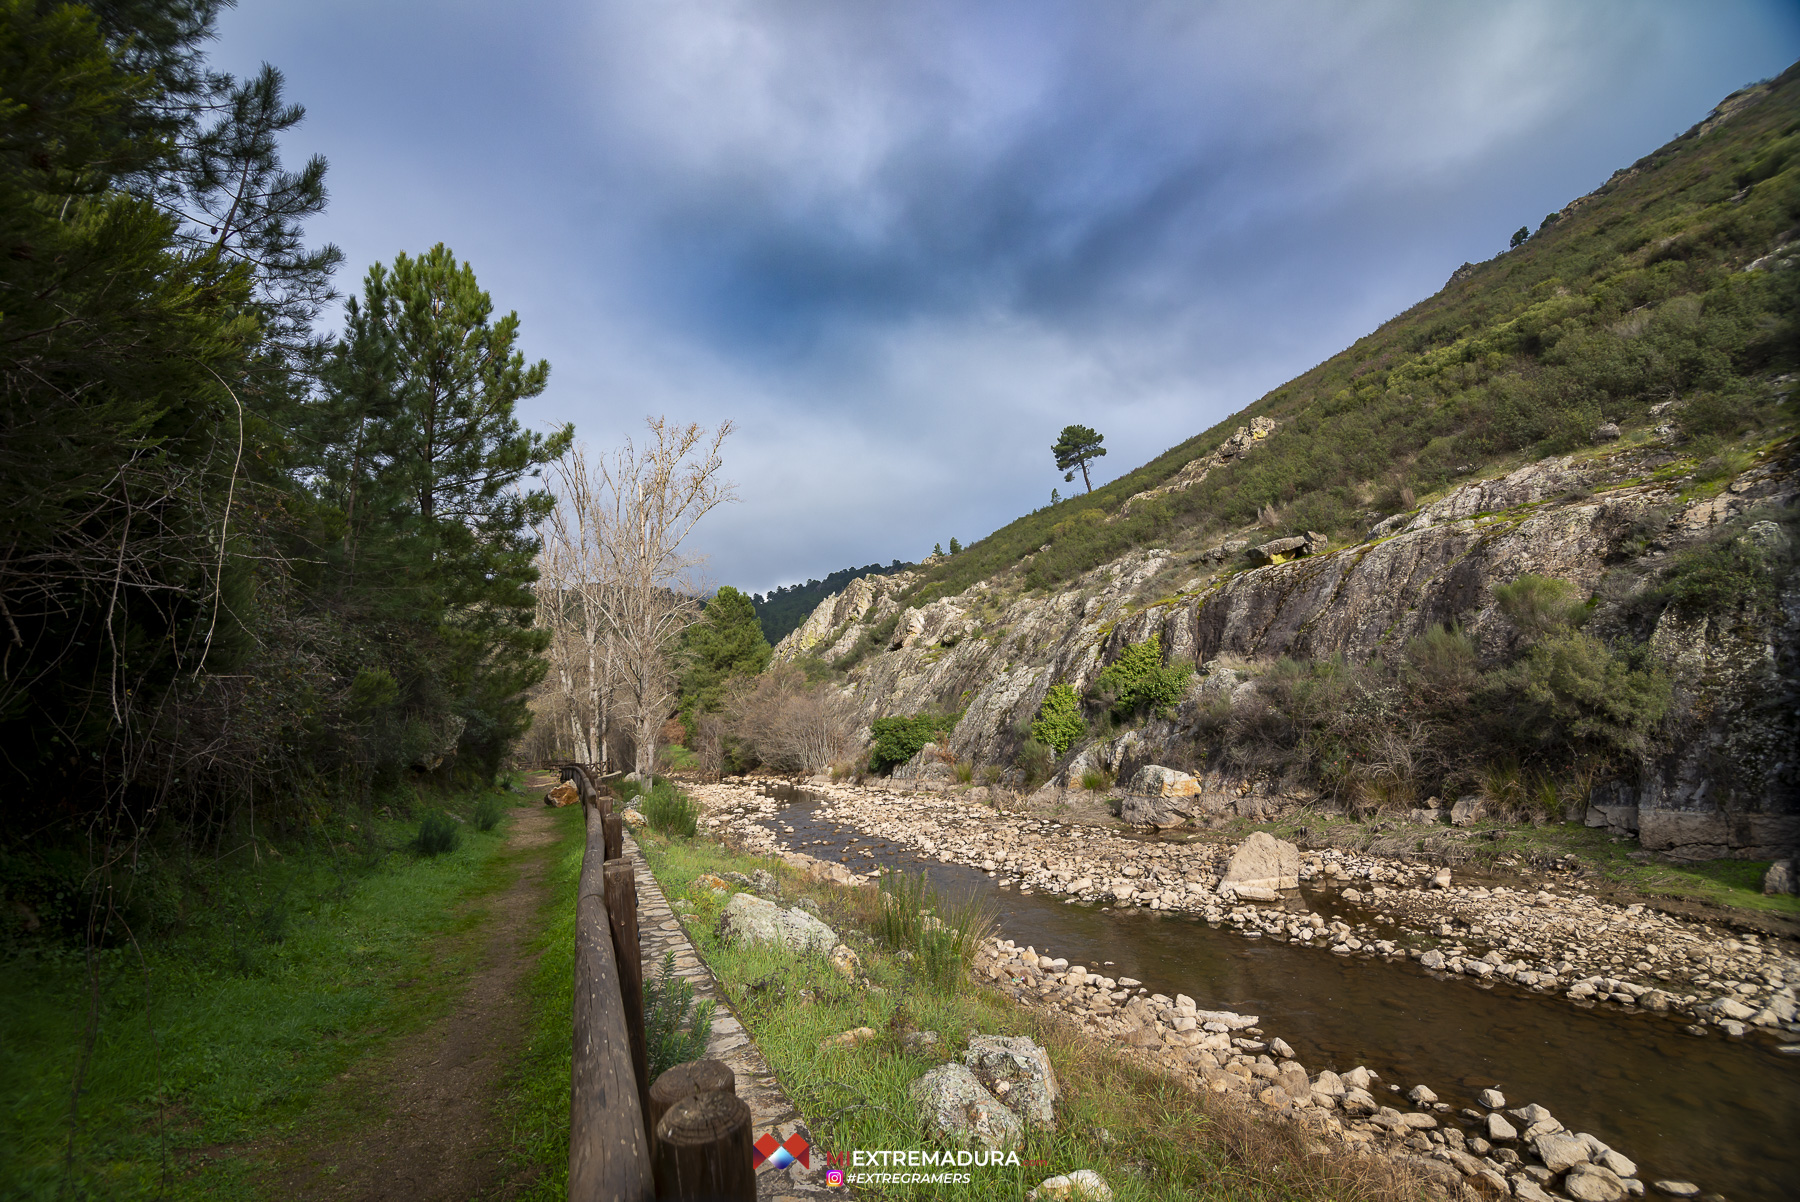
(1150, 1137)
(536, 1107)
(285, 966)
(667, 809)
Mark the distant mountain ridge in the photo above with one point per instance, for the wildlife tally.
(784, 608)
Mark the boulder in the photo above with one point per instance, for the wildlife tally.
(1467, 811)
(1677, 1189)
(1493, 1099)
(562, 795)
(752, 920)
(1083, 1185)
(763, 881)
(1499, 1129)
(1593, 1183)
(953, 1103)
(1527, 1190)
(1154, 780)
(1016, 1070)
(1263, 861)
(1606, 432)
(1422, 1095)
(848, 1039)
(1559, 1152)
(1618, 1162)
(634, 820)
(1780, 877)
(1280, 550)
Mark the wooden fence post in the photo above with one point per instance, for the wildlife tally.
(609, 1152)
(703, 1150)
(621, 912)
(686, 1080)
(614, 827)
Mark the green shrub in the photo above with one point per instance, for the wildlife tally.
(668, 1034)
(908, 915)
(1138, 681)
(1571, 689)
(1095, 781)
(965, 772)
(438, 834)
(1059, 720)
(1717, 579)
(667, 809)
(487, 813)
(1538, 605)
(896, 740)
(991, 774)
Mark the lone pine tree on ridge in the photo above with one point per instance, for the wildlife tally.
(1075, 446)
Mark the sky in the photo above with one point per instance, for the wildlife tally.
(900, 244)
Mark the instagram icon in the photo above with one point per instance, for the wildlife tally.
(834, 1177)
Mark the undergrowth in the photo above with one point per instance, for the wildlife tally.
(282, 965)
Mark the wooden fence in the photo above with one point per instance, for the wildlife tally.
(684, 1137)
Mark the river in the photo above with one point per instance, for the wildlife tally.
(1723, 1113)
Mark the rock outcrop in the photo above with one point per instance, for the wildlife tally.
(1725, 783)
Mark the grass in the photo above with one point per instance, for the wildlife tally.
(536, 1106)
(287, 965)
(667, 809)
(1150, 1137)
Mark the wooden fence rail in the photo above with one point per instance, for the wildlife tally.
(686, 1136)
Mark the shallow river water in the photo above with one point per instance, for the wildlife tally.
(1722, 1113)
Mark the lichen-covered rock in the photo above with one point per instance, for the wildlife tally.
(750, 919)
(1017, 1071)
(562, 795)
(1154, 780)
(954, 1104)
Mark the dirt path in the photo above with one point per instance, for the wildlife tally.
(431, 1133)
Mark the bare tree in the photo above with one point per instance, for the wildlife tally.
(572, 605)
(624, 588)
(653, 498)
(791, 725)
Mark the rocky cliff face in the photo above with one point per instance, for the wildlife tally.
(1725, 783)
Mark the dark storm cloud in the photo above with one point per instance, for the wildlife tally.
(901, 244)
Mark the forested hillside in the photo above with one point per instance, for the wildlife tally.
(1639, 293)
(248, 573)
(784, 608)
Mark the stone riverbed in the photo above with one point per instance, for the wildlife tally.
(1547, 936)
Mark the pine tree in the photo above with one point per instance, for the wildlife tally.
(726, 642)
(1075, 446)
(418, 450)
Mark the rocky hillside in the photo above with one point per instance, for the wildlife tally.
(1669, 515)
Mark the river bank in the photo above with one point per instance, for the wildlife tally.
(1640, 1079)
(1542, 930)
